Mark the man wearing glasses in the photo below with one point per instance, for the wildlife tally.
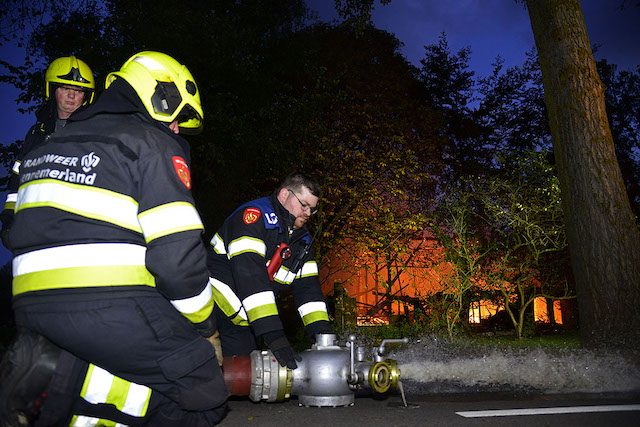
(262, 249)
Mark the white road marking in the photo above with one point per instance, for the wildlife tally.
(548, 411)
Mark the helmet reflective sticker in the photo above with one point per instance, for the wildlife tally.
(148, 63)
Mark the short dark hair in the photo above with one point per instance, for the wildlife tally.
(297, 180)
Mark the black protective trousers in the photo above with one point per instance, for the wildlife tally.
(235, 340)
(142, 339)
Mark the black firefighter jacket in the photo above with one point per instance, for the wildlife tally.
(104, 209)
(239, 257)
(45, 125)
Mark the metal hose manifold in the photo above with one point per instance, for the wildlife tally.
(328, 375)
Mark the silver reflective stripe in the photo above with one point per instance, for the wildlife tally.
(258, 300)
(247, 244)
(310, 268)
(169, 218)
(16, 167)
(312, 307)
(84, 421)
(148, 63)
(137, 399)
(90, 202)
(83, 255)
(218, 244)
(283, 275)
(99, 386)
(12, 197)
(193, 304)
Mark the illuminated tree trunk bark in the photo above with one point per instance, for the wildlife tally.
(603, 238)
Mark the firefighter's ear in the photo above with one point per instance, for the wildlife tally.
(282, 195)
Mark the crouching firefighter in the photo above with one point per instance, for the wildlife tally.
(262, 249)
(110, 284)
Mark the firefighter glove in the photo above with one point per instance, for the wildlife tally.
(217, 346)
(281, 349)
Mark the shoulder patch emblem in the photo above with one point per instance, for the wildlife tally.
(251, 215)
(182, 170)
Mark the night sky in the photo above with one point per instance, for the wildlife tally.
(489, 27)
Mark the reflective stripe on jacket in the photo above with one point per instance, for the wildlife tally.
(106, 202)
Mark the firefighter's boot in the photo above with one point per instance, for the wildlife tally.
(25, 372)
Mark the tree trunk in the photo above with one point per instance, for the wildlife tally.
(603, 239)
(551, 311)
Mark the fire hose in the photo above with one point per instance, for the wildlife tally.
(328, 375)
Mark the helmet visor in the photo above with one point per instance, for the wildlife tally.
(166, 99)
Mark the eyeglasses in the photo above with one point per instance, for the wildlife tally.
(305, 207)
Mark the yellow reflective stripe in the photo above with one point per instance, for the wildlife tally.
(200, 315)
(238, 321)
(262, 312)
(83, 200)
(260, 305)
(314, 317)
(247, 244)
(313, 311)
(228, 302)
(83, 265)
(82, 277)
(168, 219)
(218, 244)
(197, 308)
(101, 386)
(16, 167)
(223, 293)
(118, 393)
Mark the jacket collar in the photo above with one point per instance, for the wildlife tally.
(285, 217)
(283, 214)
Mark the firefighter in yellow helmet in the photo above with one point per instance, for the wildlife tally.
(109, 262)
(69, 85)
(76, 80)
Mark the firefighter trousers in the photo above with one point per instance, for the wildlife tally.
(141, 339)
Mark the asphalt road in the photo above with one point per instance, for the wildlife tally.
(456, 409)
